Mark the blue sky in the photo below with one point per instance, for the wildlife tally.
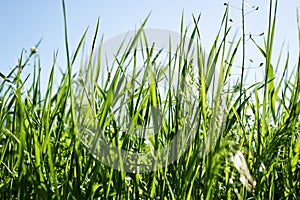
(24, 23)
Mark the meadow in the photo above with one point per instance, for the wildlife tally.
(245, 145)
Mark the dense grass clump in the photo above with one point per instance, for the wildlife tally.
(254, 156)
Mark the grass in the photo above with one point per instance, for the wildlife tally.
(255, 132)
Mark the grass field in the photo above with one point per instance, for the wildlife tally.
(255, 156)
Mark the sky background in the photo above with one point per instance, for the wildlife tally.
(24, 23)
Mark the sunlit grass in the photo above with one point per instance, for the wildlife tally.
(246, 144)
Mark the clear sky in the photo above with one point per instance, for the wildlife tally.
(24, 23)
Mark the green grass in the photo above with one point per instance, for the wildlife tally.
(256, 155)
